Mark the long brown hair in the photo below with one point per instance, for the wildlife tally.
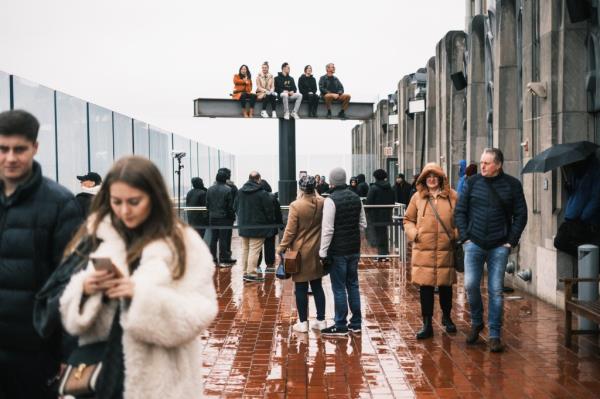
(162, 222)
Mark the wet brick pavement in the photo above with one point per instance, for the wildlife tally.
(251, 352)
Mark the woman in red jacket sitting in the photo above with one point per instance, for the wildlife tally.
(242, 90)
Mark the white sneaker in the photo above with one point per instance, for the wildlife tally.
(286, 115)
(264, 114)
(300, 327)
(319, 325)
(273, 114)
(295, 115)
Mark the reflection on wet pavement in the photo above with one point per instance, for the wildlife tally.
(250, 350)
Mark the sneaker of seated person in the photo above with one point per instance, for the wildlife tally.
(286, 115)
(274, 114)
(328, 114)
(342, 115)
(264, 114)
(295, 115)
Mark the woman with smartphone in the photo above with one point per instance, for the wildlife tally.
(153, 279)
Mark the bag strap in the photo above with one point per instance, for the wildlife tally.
(437, 216)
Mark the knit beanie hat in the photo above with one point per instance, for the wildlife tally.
(337, 177)
(307, 184)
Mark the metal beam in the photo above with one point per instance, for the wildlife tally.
(287, 161)
(227, 108)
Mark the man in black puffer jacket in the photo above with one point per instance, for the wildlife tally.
(38, 217)
(490, 215)
(197, 197)
(219, 202)
(254, 208)
(362, 189)
(378, 219)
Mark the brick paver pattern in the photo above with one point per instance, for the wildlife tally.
(251, 352)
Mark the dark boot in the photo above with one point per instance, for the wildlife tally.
(449, 324)
(427, 330)
(474, 334)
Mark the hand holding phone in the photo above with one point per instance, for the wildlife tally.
(105, 264)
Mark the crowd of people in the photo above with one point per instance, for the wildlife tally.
(283, 88)
(115, 268)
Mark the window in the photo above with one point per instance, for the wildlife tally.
(123, 131)
(141, 139)
(39, 100)
(71, 139)
(101, 139)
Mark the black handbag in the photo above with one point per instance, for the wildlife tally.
(457, 249)
(46, 313)
(96, 370)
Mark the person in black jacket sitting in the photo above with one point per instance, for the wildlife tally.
(307, 85)
(197, 197)
(490, 215)
(38, 218)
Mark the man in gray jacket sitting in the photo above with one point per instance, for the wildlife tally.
(332, 90)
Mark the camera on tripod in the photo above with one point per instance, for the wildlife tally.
(178, 154)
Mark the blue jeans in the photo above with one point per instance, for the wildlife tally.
(344, 283)
(496, 259)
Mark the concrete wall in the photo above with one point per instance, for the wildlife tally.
(516, 42)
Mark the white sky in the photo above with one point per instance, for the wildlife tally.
(149, 59)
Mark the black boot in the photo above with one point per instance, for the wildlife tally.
(427, 330)
(449, 324)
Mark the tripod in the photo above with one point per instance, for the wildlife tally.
(178, 172)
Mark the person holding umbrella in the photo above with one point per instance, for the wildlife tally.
(580, 169)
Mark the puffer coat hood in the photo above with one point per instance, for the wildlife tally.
(432, 257)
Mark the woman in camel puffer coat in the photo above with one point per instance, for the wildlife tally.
(432, 254)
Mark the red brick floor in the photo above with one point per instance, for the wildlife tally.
(251, 352)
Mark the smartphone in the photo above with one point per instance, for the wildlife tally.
(106, 264)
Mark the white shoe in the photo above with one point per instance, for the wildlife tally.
(264, 114)
(319, 325)
(300, 327)
(295, 115)
(286, 115)
(273, 114)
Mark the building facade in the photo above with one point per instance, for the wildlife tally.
(477, 96)
(77, 136)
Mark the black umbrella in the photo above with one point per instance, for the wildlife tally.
(560, 155)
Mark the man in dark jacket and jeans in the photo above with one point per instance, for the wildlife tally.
(343, 217)
(490, 215)
(219, 202)
(38, 217)
(332, 90)
(379, 219)
(254, 207)
(197, 197)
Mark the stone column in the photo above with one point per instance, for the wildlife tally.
(432, 155)
(476, 90)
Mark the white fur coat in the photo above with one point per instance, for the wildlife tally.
(161, 324)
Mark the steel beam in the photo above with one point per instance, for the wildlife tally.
(227, 108)
(287, 161)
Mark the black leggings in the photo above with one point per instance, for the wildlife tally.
(426, 294)
(313, 102)
(270, 99)
(302, 299)
(245, 97)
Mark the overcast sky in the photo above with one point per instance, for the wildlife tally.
(150, 59)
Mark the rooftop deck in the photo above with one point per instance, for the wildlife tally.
(251, 352)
